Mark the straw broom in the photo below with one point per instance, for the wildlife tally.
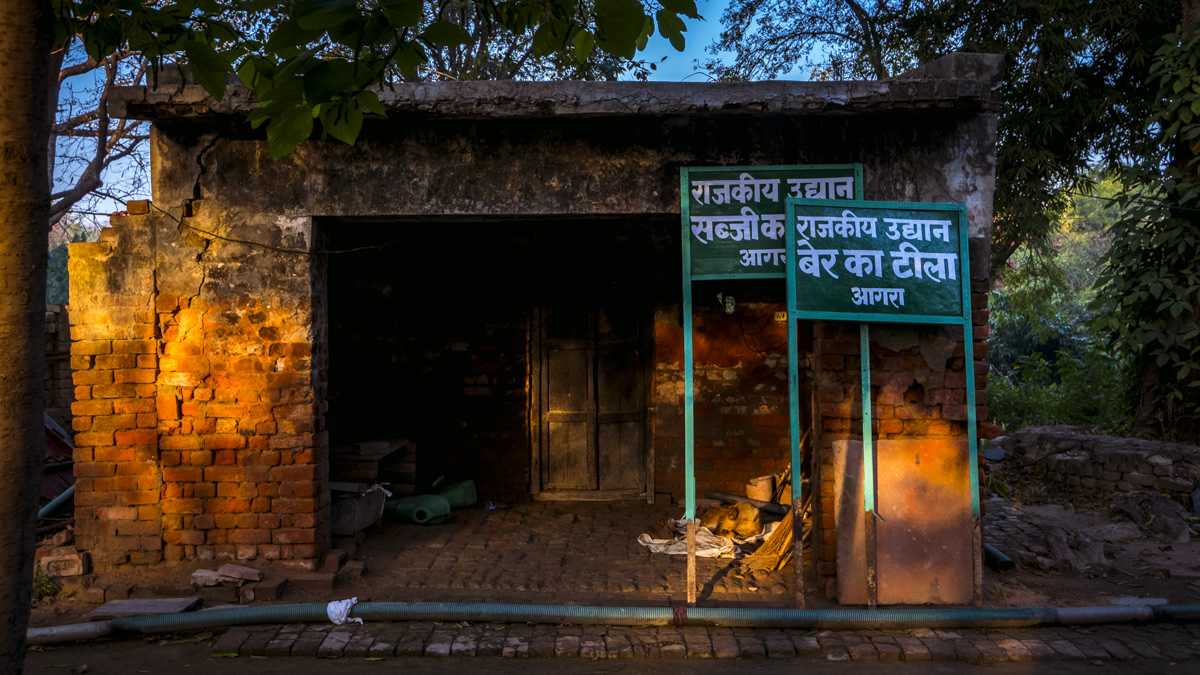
(776, 551)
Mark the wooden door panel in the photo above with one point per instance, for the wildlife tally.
(567, 373)
(619, 380)
(620, 461)
(566, 462)
(591, 377)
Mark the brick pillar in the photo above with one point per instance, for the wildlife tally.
(114, 363)
(244, 451)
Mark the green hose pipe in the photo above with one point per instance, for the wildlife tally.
(842, 619)
(313, 612)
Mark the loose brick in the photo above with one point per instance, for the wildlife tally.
(92, 377)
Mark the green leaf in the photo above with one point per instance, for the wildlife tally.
(671, 27)
(549, 38)
(290, 35)
(343, 121)
(370, 100)
(403, 12)
(445, 34)
(286, 130)
(408, 57)
(585, 42)
(327, 79)
(297, 64)
(208, 67)
(619, 24)
(247, 72)
(647, 31)
(323, 14)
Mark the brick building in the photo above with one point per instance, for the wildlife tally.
(492, 272)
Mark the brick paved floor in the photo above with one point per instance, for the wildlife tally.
(547, 552)
(1102, 644)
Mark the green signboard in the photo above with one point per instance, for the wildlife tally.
(878, 261)
(733, 216)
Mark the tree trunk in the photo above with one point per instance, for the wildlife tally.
(26, 30)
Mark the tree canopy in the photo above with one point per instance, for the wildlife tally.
(316, 65)
(1074, 88)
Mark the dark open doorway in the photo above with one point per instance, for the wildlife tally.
(512, 353)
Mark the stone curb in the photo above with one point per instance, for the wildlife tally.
(1098, 645)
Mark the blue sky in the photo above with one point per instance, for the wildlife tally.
(700, 34)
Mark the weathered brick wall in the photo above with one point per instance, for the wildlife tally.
(1091, 464)
(114, 358)
(60, 390)
(244, 450)
(200, 434)
(741, 396)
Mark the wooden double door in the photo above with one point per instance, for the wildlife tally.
(590, 375)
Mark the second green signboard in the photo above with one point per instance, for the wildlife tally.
(878, 261)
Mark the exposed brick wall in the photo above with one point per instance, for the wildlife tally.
(60, 389)
(114, 358)
(741, 393)
(199, 426)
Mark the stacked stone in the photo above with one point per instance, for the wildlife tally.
(113, 356)
(1103, 465)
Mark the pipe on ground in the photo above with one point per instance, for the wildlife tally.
(997, 560)
(844, 619)
(657, 616)
(68, 633)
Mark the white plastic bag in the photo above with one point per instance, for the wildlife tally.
(338, 611)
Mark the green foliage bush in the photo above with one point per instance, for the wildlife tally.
(1149, 302)
(1048, 366)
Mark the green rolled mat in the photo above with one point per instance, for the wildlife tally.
(420, 509)
(460, 494)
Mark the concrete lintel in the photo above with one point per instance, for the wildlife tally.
(939, 88)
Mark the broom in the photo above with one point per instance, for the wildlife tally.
(776, 551)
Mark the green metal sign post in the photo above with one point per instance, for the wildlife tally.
(887, 262)
(734, 227)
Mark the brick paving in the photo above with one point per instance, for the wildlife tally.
(548, 552)
(1176, 643)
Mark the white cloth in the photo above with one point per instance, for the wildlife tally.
(708, 545)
